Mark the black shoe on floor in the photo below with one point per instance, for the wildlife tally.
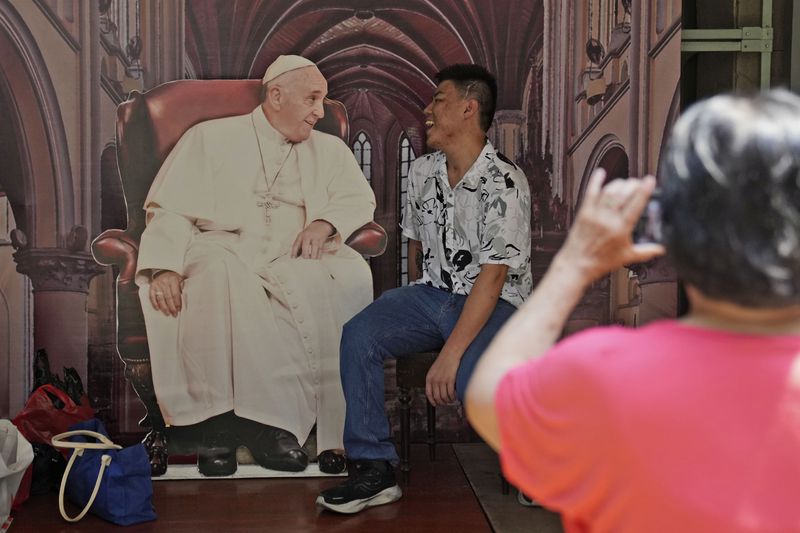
(273, 448)
(369, 483)
(216, 455)
(330, 462)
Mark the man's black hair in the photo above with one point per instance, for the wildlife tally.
(476, 82)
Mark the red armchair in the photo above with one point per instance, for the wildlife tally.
(148, 126)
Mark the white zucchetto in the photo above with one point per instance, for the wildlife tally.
(283, 65)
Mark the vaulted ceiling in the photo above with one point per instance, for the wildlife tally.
(379, 56)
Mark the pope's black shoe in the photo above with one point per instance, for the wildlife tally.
(369, 483)
(216, 455)
(273, 448)
(330, 462)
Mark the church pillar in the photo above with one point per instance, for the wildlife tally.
(60, 279)
(506, 133)
(659, 290)
(592, 310)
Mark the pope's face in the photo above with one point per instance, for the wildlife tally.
(301, 103)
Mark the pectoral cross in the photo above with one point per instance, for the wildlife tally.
(268, 206)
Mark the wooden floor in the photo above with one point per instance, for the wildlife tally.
(437, 498)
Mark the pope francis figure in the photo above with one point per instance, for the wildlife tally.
(245, 281)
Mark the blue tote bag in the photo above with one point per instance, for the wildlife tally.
(103, 478)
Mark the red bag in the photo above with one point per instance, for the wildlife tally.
(40, 419)
(24, 490)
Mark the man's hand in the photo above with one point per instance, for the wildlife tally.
(165, 292)
(310, 241)
(440, 383)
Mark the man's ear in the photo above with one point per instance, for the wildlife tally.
(471, 108)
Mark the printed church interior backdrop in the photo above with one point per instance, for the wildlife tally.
(581, 85)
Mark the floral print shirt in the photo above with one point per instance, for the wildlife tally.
(484, 219)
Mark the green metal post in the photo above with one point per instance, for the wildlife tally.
(747, 39)
(766, 55)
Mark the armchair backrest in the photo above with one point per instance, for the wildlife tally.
(149, 125)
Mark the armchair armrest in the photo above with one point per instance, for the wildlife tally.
(368, 240)
(115, 247)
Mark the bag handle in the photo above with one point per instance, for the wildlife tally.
(58, 393)
(104, 444)
(104, 462)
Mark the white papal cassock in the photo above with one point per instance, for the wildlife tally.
(259, 331)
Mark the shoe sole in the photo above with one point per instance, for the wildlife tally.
(217, 473)
(282, 465)
(387, 495)
(212, 471)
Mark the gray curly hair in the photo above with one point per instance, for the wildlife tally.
(731, 198)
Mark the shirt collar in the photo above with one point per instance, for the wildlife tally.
(475, 171)
(265, 130)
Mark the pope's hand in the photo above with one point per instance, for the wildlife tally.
(165, 292)
(310, 241)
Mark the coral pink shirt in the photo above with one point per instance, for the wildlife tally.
(668, 428)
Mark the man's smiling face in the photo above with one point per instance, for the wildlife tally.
(442, 116)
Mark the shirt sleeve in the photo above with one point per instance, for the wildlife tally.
(553, 429)
(409, 217)
(181, 192)
(351, 202)
(163, 244)
(506, 238)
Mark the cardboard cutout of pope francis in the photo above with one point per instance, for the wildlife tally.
(245, 281)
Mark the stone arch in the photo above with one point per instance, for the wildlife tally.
(528, 107)
(595, 308)
(40, 185)
(672, 116)
(610, 154)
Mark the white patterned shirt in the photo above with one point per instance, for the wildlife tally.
(484, 219)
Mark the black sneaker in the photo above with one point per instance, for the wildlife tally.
(369, 483)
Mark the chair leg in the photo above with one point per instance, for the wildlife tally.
(431, 431)
(155, 442)
(405, 431)
(138, 373)
(505, 486)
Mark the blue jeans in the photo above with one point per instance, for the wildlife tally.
(409, 319)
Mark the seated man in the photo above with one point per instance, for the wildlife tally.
(684, 425)
(245, 281)
(468, 222)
